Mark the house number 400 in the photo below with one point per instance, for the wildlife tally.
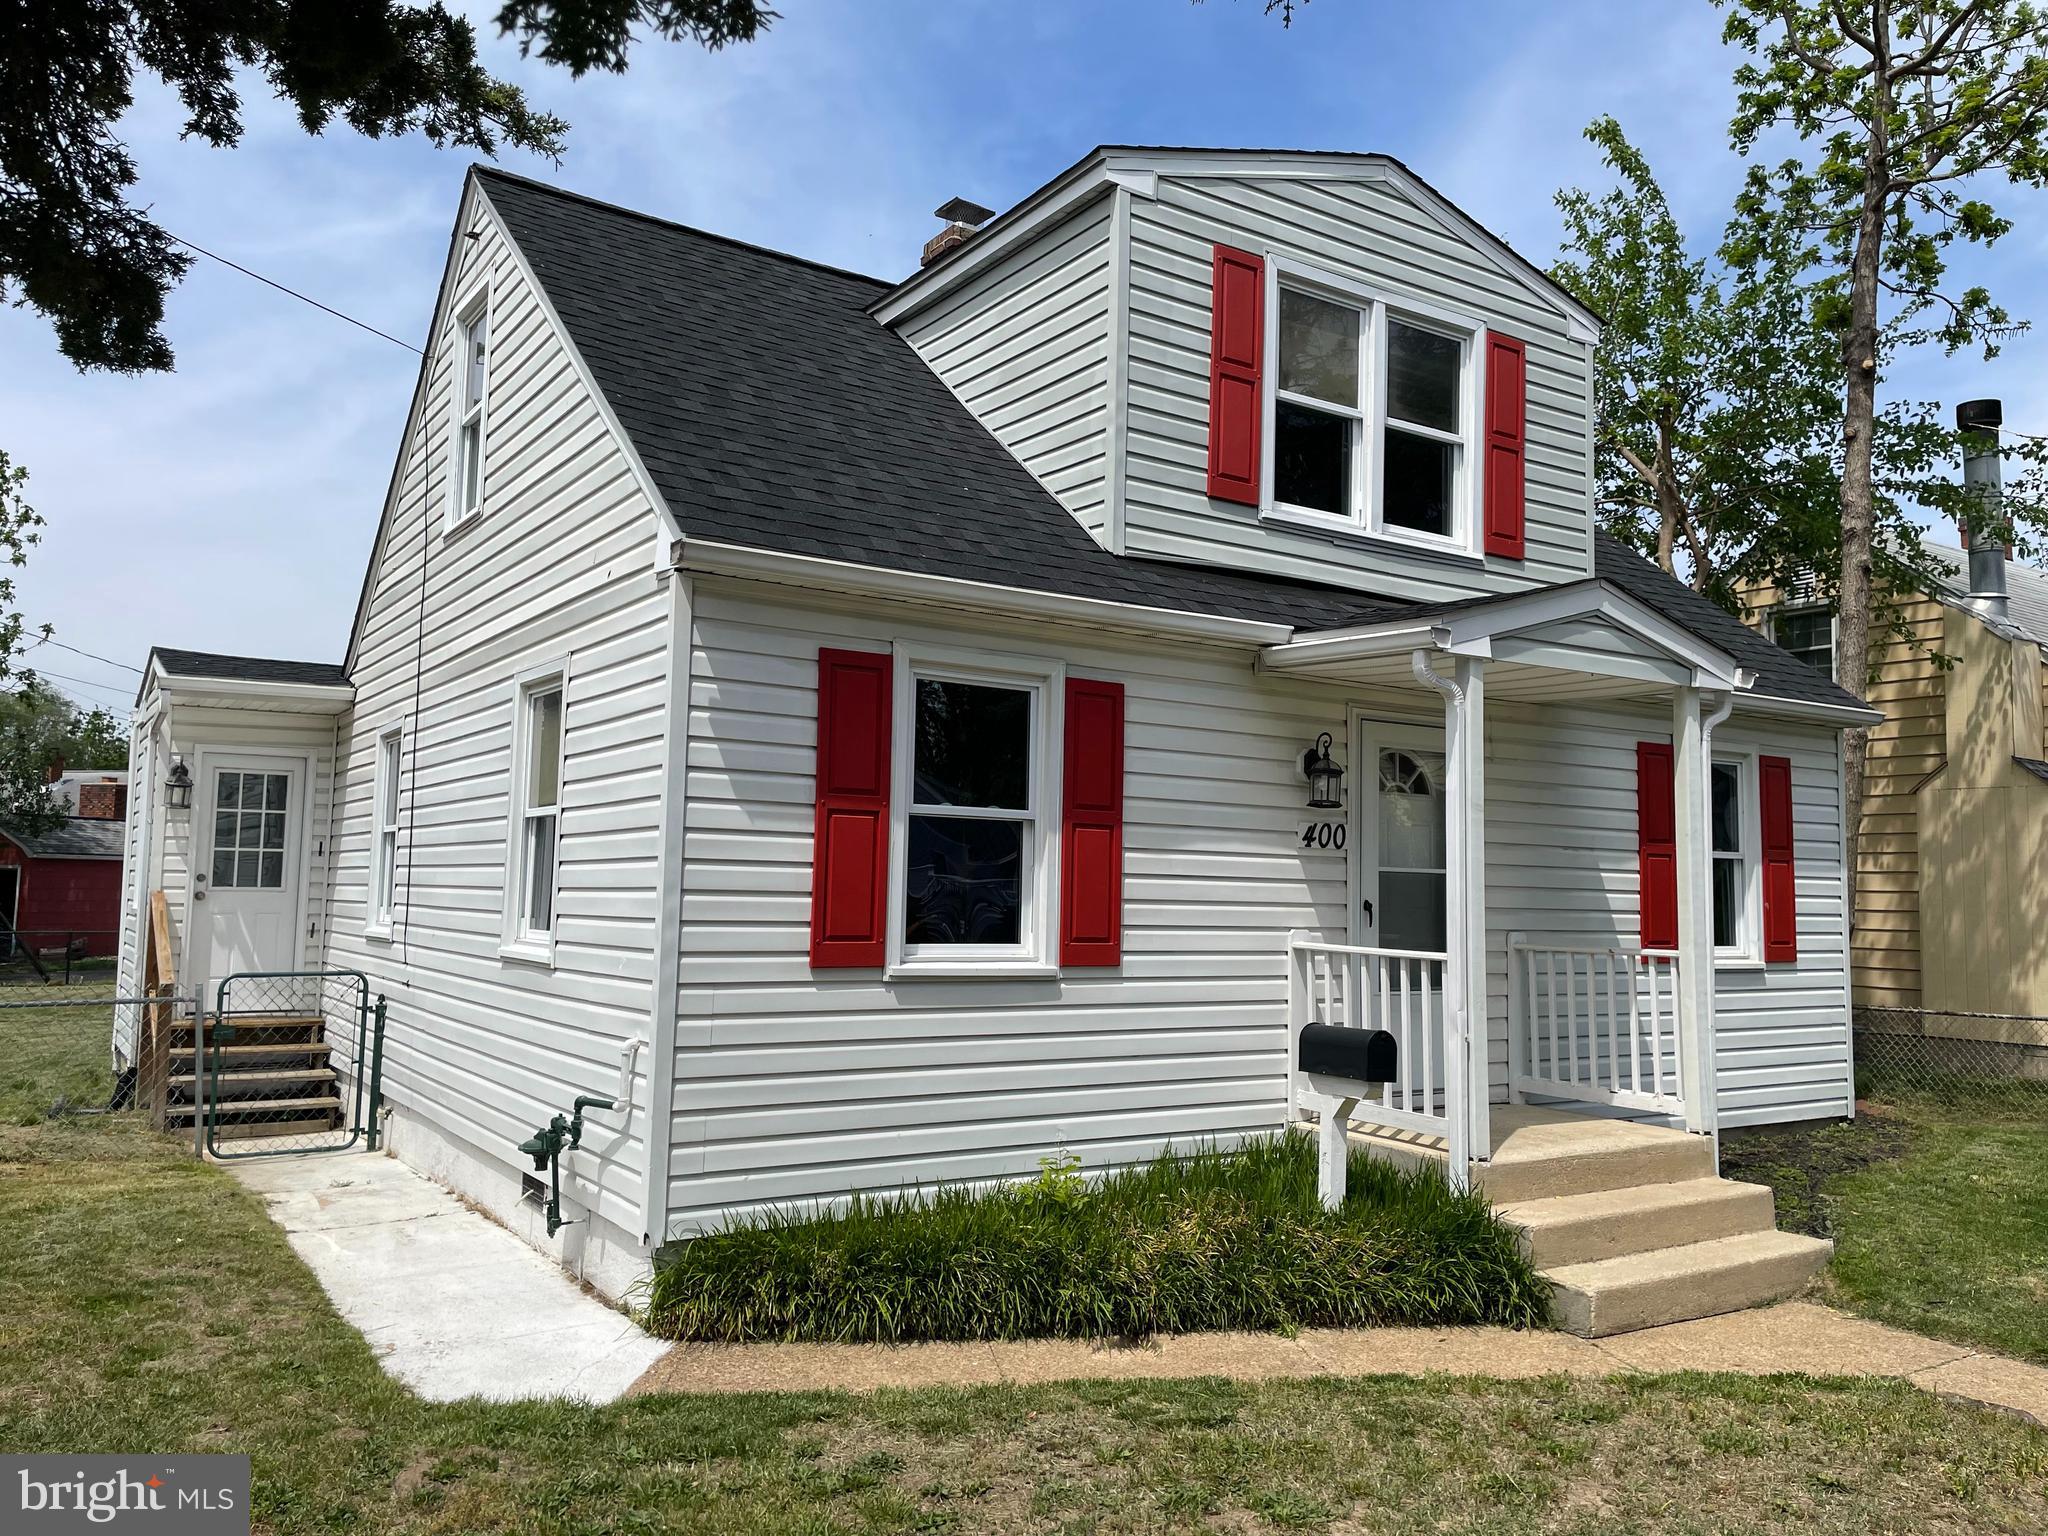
(1323, 834)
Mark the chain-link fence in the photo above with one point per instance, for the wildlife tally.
(58, 957)
(275, 1064)
(79, 1052)
(1981, 1059)
(291, 1063)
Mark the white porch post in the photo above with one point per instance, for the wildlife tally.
(1465, 1024)
(1695, 913)
(1465, 768)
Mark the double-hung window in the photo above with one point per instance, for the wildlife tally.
(536, 815)
(1372, 412)
(1732, 824)
(975, 883)
(384, 851)
(472, 370)
(1809, 634)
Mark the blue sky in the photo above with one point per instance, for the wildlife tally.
(230, 505)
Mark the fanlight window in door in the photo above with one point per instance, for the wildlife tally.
(1411, 852)
(249, 811)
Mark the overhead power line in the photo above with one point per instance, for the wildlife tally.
(302, 298)
(88, 655)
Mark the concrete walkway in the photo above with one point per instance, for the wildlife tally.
(1794, 1336)
(453, 1304)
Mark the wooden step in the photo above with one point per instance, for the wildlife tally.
(243, 1052)
(228, 1082)
(239, 1108)
(251, 1130)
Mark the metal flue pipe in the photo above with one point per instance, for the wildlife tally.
(1984, 530)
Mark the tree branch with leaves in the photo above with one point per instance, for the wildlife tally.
(1904, 108)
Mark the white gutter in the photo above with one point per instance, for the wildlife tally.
(816, 573)
(340, 695)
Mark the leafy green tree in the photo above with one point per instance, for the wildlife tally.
(41, 731)
(1717, 384)
(1907, 109)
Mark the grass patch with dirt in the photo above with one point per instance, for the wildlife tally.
(1209, 1240)
(148, 1305)
(1938, 1208)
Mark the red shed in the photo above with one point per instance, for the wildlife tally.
(63, 887)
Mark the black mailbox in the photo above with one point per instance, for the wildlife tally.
(1363, 1055)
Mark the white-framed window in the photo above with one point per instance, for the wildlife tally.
(1371, 411)
(384, 844)
(472, 395)
(534, 851)
(974, 828)
(1808, 632)
(1735, 836)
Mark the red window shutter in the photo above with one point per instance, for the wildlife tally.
(1657, 844)
(1237, 352)
(1092, 826)
(1507, 411)
(1781, 894)
(850, 847)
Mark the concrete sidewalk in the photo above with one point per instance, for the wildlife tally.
(1791, 1337)
(453, 1305)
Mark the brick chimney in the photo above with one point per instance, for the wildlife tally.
(55, 770)
(104, 801)
(962, 220)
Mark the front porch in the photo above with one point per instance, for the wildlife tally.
(1538, 1050)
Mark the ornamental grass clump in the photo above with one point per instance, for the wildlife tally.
(1207, 1240)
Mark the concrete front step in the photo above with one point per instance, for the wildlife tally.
(1611, 1223)
(1540, 1155)
(1670, 1285)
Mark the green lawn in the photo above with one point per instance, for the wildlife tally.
(55, 1044)
(1938, 1207)
(147, 1304)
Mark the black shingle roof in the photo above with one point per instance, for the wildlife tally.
(76, 837)
(247, 669)
(772, 411)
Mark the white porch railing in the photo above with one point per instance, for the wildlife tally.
(1403, 993)
(1599, 1025)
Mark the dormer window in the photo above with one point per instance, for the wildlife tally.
(1372, 405)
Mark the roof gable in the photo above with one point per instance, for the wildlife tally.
(1138, 167)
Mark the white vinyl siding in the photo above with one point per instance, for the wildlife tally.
(802, 1085)
(1562, 865)
(483, 1048)
(1370, 234)
(1026, 348)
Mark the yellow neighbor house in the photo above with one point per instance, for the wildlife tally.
(1951, 910)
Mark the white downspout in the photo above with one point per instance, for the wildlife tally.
(663, 1005)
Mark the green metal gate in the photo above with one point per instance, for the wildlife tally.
(294, 1063)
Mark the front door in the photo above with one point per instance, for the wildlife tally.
(1398, 900)
(246, 886)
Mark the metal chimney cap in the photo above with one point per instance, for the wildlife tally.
(960, 211)
(1980, 416)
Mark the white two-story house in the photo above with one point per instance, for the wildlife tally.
(890, 732)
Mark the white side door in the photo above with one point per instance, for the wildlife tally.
(245, 887)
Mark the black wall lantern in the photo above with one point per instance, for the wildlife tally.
(1325, 776)
(178, 787)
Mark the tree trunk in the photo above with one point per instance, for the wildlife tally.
(1667, 502)
(1859, 421)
